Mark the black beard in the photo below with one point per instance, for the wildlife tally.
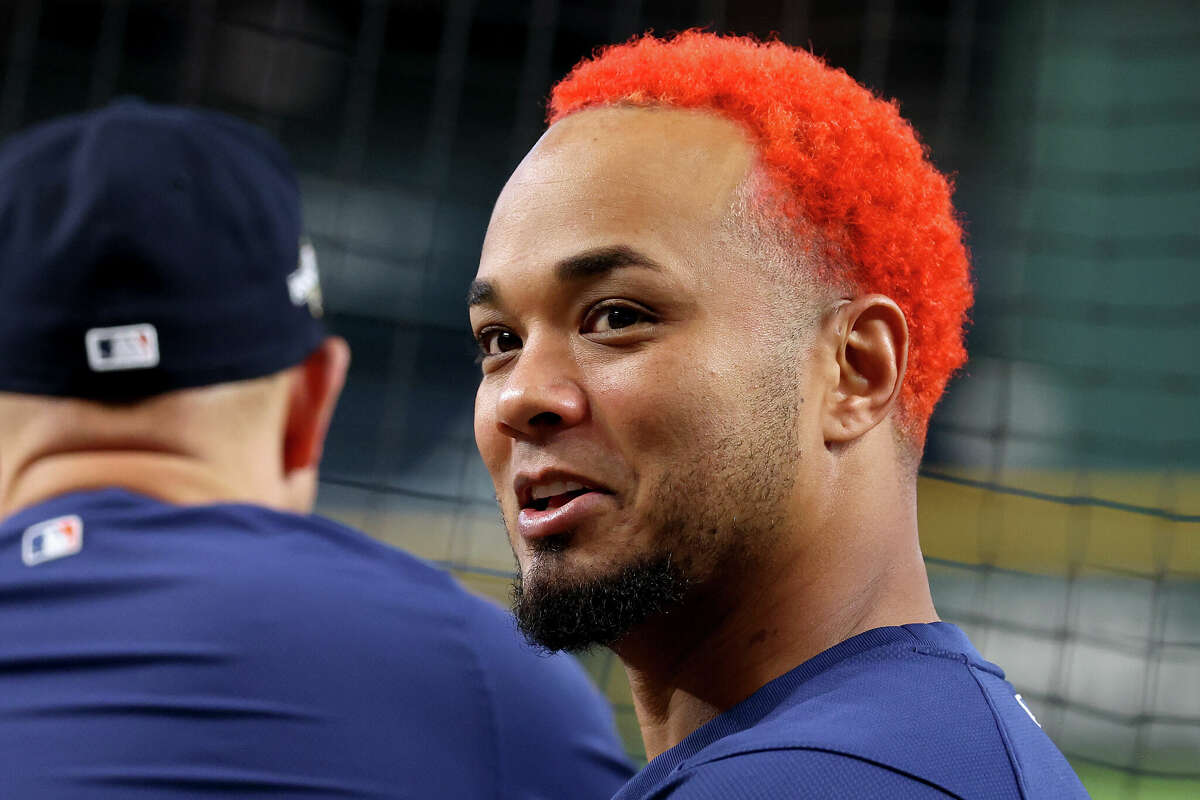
(601, 611)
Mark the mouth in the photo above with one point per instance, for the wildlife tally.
(550, 505)
(552, 495)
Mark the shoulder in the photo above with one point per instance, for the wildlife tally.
(307, 547)
(417, 640)
(578, 753)
(509, 686)
(794, 773)
(519, 670)
(939, 717)
(910, 710)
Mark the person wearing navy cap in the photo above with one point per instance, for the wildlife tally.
(174, 622)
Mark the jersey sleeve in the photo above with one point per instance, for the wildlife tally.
(795, 774)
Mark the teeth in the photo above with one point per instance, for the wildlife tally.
(558, 487)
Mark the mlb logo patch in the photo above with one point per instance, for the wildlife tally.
(54, 538)
(122, 347)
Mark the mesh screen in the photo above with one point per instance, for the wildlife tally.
(1060, 498)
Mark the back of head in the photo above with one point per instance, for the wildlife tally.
(145, 249)
(838, 162)
(152, 281)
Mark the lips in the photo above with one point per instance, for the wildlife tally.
(554, 502)
(554, 494)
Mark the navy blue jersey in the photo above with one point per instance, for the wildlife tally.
(151, 650)
(906, 712)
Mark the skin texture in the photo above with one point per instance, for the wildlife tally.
(738, 416)
(257, 441)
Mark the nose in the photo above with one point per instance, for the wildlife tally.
(541, 397)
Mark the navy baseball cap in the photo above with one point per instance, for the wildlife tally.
(149, 248)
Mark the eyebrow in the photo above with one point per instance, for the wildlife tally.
(601, 261)
(480, 293)
(587, 265)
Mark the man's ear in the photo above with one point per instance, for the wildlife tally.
(316, 384)
(871, 340)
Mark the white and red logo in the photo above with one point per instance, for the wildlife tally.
(54, 538)
(122, 347)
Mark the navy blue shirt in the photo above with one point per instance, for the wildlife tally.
(151, 650)
(905, 712)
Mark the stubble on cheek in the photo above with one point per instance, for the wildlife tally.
(724, 502)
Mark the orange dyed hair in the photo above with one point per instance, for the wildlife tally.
(838, 159)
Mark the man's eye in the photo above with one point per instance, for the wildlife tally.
(494, 341)
(611, 318)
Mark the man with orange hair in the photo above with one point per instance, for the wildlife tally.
(716, 305)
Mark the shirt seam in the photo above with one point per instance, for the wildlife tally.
(1003, 731)
(953, 655)
(831, 751)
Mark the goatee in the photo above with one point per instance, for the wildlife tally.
(578, 615)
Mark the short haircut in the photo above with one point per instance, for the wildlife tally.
(838, 160)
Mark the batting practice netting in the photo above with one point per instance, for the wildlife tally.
(1060, 498)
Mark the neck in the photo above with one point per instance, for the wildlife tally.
(688, 667)
(175, 478)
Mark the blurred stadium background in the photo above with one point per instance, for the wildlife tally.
(1060, 500)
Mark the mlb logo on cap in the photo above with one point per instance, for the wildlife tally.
(54, 538)
(123, 347)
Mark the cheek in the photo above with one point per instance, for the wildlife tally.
(492, 445)
(654, 408)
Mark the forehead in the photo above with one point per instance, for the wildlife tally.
(658, 179)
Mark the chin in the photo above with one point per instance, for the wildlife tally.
(564, 560)
(563, 605)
